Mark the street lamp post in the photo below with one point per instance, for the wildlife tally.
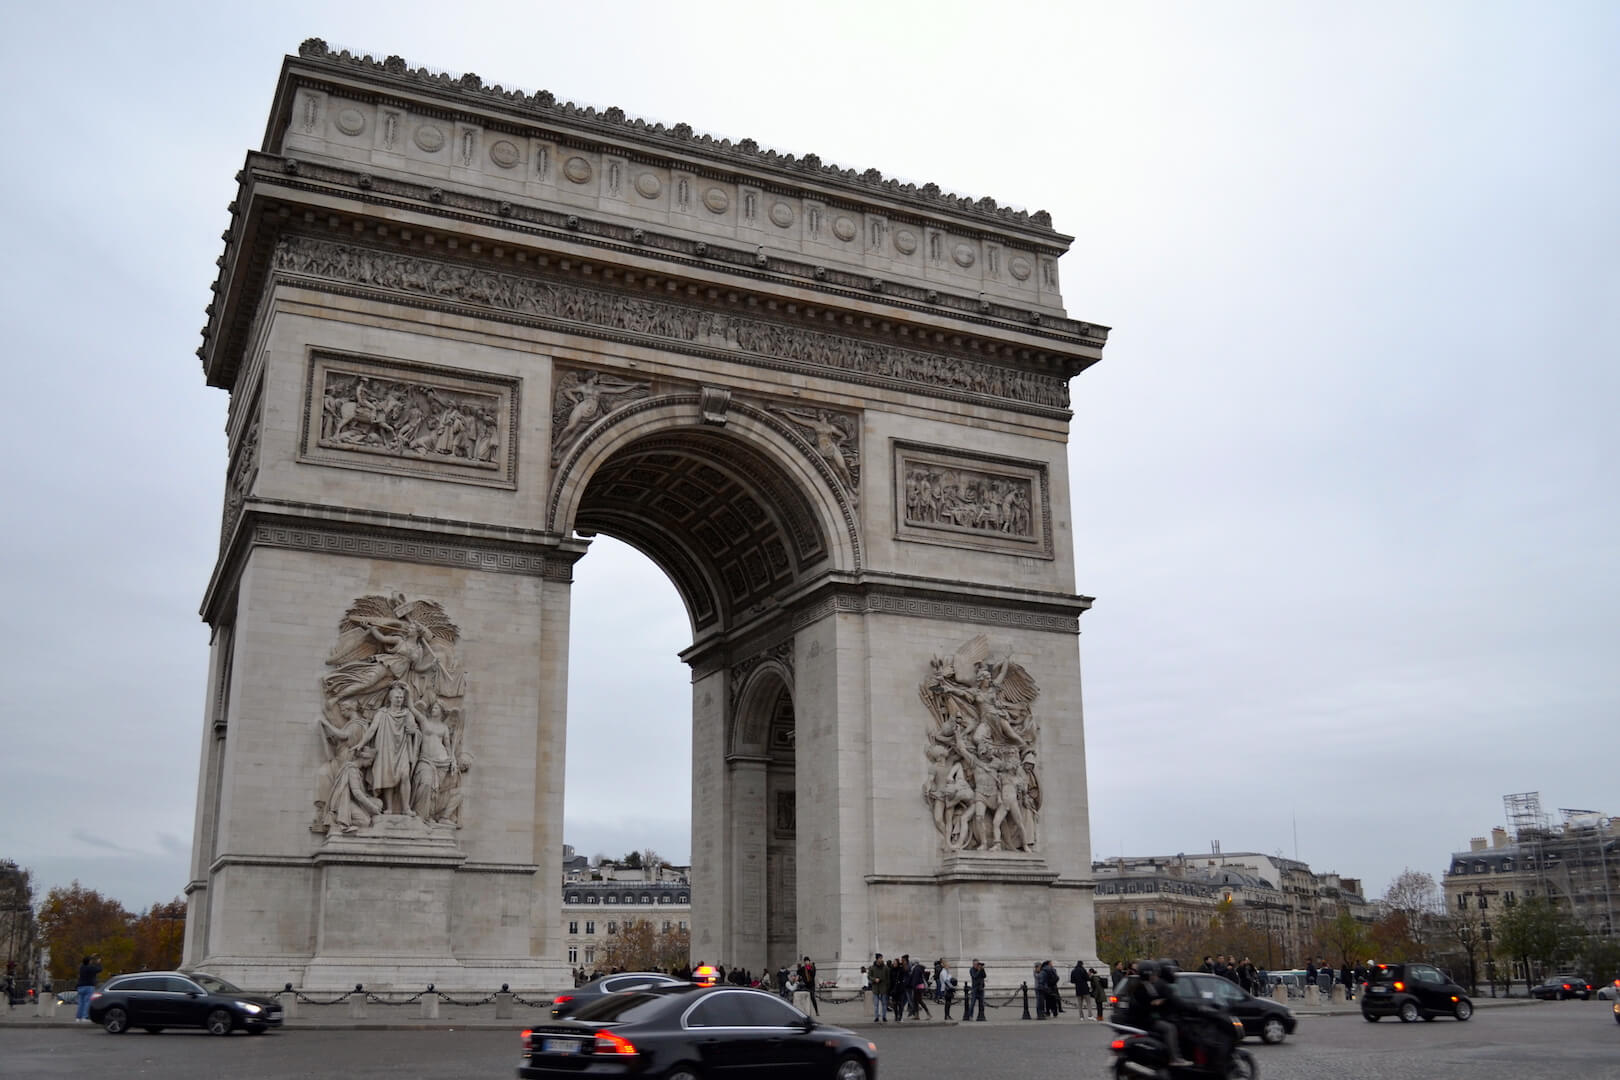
(1490, 961)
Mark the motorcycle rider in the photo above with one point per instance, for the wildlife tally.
(1150, 1006)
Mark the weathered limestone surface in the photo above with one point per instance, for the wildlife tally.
(463, 331)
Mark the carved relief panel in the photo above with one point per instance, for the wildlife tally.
(392, 724)
(397, 417)
(983, 785)
(972, 501)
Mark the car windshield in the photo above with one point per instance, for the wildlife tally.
(214, 984)
(623, 1008)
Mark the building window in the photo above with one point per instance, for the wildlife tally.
(573, 954)
(1484, 902)
(613, 899)
(683, 924)
(590, 954)
(1462, 902)
(613, 927)
(590, 928)
(573, 926)
(663, 899)
(666, 926)
(1152, 916)
(573, 898)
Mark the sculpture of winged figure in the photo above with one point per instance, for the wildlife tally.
(983, 783)
(833, 436)
(392, 720)
(583, 398)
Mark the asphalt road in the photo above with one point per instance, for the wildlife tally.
(1571, 1040)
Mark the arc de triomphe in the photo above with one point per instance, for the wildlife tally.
(464, 330)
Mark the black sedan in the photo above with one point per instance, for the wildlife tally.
(1562, 988)
(1272, 1021)
(155, 1000)
(582, 995)
(685, 1032)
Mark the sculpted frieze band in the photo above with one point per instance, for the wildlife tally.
(392, 719)
(983, 782)
(660, 319)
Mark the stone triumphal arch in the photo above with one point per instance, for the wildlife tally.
(466, 329)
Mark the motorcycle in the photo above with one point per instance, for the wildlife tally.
(1139, 1053)
(1617, 1012)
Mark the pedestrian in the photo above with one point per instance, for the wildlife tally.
(807, 976)
(1037, 986)
(917, 983)
(1082, 986)
(877, 978)
(1347, 977)
(1099, 990)
(89, 968)
(976, 978)
(946, 985)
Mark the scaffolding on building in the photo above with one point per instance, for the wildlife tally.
(1528, 827)
(1574, 863)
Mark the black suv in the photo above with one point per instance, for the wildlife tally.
(1410, 991)
(155, 1000)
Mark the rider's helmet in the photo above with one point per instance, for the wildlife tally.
(1167, 970)
(1146, 969)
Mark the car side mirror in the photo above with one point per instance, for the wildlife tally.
(807, 1023)
(193, 994)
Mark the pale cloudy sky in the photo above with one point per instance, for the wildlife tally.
(1344, 485)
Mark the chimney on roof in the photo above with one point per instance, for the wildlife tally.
(1476, 844)
(1498, 837)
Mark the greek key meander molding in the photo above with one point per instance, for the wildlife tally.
(663, 324)
(382, 545)
(933, 609)
(409, 419)
(1006, 503)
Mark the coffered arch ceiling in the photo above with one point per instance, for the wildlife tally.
(729, 526)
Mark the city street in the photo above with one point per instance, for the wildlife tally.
(1565, 1039)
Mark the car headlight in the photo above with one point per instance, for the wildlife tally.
(249, 1007)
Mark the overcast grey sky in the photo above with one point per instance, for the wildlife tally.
(1344, 485)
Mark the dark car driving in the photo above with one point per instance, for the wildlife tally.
(1272, 1021)
(154, 1000)
(568, 1004)
(684, 1032)
(1410, 991)
(1561, 988)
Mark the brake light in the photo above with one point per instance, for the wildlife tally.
(528, 1039)
(609, 1043)
(562, 998)
(1117, 1044)
(1400, 985)
(1566, 986)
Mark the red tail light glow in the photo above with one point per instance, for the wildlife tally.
(1117, 1044)
(528, 1039)
(1400, 985)
(562, 998)
(609, 1043)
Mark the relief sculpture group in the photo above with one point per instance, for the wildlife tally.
(403, 419)
(983, 783)
(392, 723)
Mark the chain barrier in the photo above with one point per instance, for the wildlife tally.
(299, 995)
(537, 1003)
(377, 999)
(448, 1000)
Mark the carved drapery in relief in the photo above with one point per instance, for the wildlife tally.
(983, 784)
(239, 480)
(582, 398)
(392, 721)
(673, 322)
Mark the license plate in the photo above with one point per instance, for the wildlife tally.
(274, 1014)
(1382, 988)
(560, 1046)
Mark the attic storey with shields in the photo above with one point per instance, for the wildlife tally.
(464, 330)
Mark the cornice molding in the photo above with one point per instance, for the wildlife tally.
(680, 138)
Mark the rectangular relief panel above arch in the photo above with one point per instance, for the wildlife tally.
(981, 502)
(397, 416)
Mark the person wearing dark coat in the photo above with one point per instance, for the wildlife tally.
(89, 968)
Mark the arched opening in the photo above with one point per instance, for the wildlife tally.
(734, 526)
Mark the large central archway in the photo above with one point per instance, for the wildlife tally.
(465, 330)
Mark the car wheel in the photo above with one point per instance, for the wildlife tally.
(154, 1031)
(851, 1067)
(1463, 1010)
(218, 1022)
(115, 1020)
(1371, 1018)
(1409, 1012)
(1272, 1031)
(681, 1072)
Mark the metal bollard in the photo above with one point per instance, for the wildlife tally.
(1025, 988)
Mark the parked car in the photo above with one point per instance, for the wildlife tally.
(1270, 1020)
(1410, 991)
(1562, 988)
(570, 1003)
(155, 1000)
(1610, 992)
(684, 1031)
(67, 999)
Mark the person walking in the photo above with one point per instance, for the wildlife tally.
(1037, 986)
(89, 968)
(976, 977)
(877, 978)
(899, 969)
(917, 983)
(1081, 978)
(807, 975)
(946, 985)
